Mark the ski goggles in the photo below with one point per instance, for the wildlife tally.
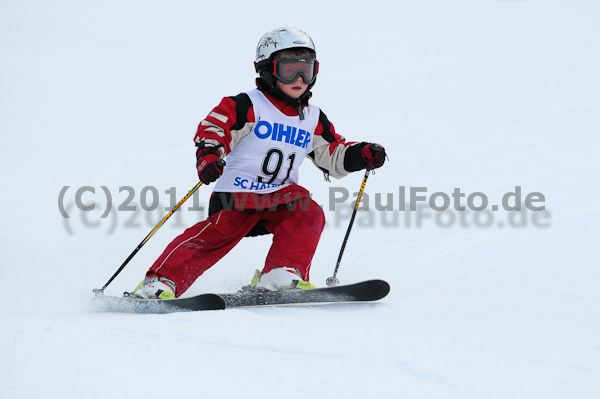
(287, 70)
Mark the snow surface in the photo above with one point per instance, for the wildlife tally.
(482, 95)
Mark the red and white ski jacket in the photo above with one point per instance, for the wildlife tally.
(234, 119)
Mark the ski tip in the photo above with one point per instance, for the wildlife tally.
(377, 289)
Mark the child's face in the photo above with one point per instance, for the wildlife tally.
(294, 90)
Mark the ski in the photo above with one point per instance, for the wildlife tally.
(131, 304)
(365, 291)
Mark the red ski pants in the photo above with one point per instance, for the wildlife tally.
(295, 232)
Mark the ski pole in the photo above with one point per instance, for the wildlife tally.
(100, 291)
(333, 281)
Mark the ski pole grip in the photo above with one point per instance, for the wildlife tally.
(376, 147)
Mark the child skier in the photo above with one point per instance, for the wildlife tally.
(265, 134)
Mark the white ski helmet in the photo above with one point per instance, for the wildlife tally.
(281, 39)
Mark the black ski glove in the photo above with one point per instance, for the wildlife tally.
(209, 164)
(373, 155)
(364, 156)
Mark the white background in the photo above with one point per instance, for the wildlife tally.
(482, 95)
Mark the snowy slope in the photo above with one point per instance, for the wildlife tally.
(482, 95)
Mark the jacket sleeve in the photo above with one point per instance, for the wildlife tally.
(227, 123)
(331, 153)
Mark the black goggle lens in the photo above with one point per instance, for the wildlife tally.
(287, 70)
